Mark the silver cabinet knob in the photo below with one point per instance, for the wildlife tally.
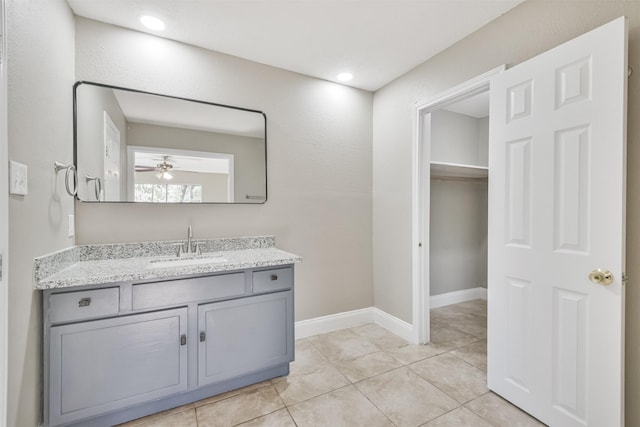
(601, 277)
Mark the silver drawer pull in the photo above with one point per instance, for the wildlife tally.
(84, 302)
(274, 277)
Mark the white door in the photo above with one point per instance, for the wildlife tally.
(557, 205)
(4, 216)
(111, 174)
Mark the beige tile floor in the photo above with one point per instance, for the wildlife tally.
(366, 376)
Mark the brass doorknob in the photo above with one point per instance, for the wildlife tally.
(601, 277)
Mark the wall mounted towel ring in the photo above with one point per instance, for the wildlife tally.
(70, 170)
(97, 185)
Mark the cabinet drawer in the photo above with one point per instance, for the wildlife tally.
(272, 280)
(173, 292)
(78, 305)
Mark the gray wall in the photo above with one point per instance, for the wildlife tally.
(40, 69)
(319, 162)
(458, 236)
(458, 209)
(529, 29)
(458, 138)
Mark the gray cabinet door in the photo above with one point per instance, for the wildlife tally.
(105, 365)
(244, 335)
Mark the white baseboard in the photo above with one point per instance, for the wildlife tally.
(399, 327)
(333, 322)
(349, 319)
(456, 297)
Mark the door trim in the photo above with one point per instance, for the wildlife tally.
(420, 195)
(4, 216)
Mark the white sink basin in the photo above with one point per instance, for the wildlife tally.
(184, 262)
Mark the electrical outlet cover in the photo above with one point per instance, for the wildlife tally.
(18, 178)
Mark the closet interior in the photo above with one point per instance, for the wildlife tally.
(459, 140)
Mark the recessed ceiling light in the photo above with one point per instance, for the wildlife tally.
(152, 23)
(345, 77)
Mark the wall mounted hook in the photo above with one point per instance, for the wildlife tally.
(97, 185)
(70, 172)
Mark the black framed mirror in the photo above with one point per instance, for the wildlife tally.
(136, 146)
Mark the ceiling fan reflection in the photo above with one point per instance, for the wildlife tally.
(163, 169)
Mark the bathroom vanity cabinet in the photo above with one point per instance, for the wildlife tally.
(117, 352)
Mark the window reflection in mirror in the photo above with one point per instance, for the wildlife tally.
(179, 176)
(159, 149)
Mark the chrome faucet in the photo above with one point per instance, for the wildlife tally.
(189, 237)
(188, 247)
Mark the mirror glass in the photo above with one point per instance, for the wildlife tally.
(134, 146)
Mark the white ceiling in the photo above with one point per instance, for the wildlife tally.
(477, 106)
(160, 110)
(376, 40)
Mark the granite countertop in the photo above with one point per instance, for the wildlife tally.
(113, 263)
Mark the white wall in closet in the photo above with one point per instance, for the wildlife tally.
(458, 207)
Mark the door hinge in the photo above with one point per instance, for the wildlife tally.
(625, 279)
(183, 339)
(203, 336)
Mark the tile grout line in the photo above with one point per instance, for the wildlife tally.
(442, 391)
(259, 416)
(290, 415)
(479, 415)
(321, 394)
(469, 363)
(374, 405)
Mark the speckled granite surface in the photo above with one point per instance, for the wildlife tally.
(102, 264)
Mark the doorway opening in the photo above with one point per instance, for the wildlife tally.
(450, 200)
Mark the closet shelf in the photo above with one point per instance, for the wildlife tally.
(456, 170)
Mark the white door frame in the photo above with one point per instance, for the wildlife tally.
(4, 215)
(421, 192)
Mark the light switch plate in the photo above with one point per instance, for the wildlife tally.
(18, 178)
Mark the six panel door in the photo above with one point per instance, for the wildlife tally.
(556, 214)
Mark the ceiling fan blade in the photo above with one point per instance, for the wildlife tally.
(145, 168)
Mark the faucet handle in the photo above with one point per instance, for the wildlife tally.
(198, 250)
(179, 248)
